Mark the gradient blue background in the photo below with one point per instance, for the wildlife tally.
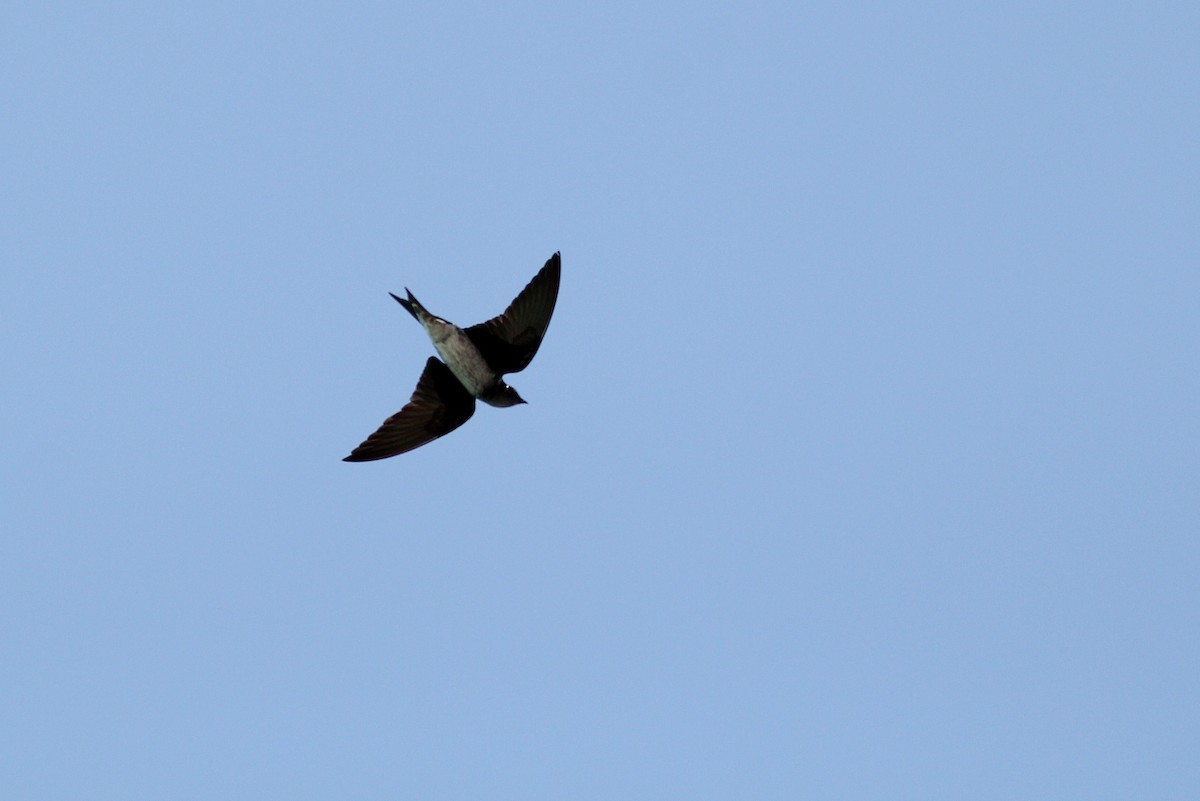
(860, 461)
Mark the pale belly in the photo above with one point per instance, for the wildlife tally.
(461, 356)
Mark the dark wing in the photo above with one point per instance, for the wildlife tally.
(439, 405)
(509, 342)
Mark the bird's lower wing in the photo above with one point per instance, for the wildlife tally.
(439, 404)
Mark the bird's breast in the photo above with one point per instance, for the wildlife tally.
(461, 356)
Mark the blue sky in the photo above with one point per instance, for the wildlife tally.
(860, 458)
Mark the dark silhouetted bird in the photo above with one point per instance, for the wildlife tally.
(476, 360)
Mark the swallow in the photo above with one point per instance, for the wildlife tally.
(473, 365)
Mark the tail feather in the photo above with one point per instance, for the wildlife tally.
(411, 305)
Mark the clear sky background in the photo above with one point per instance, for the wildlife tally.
(860, 459)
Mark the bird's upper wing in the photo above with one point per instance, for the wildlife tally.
(438, 405)
(509, 342)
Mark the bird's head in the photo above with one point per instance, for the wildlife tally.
(502, 395)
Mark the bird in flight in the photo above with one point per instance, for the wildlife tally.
(474, 361)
